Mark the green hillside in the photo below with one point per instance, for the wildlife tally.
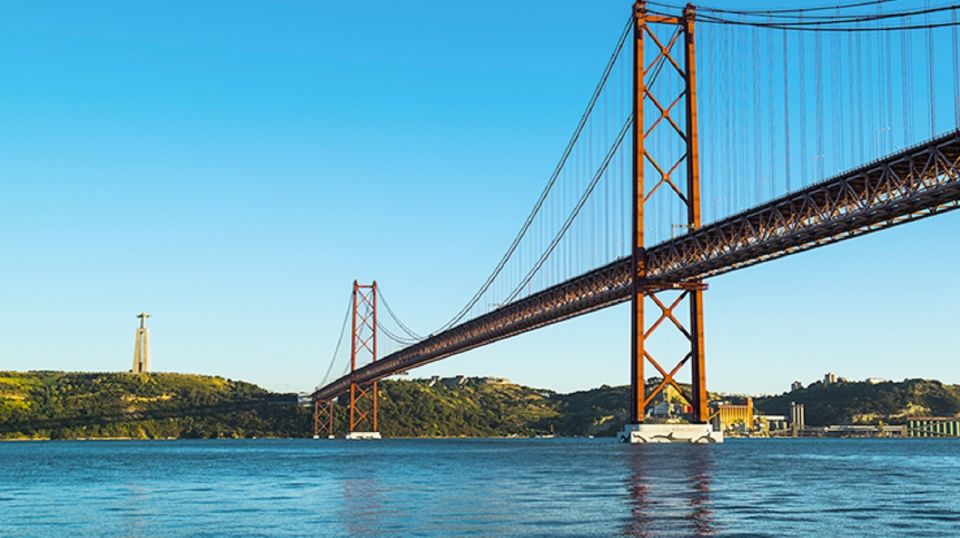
(847, 403)
(479, 407)
(58, 405)
(602, 411)
(476, 409)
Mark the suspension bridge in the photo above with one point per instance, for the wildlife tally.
(715, 139)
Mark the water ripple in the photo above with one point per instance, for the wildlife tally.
(468, 487)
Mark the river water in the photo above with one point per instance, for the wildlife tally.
(508, 487)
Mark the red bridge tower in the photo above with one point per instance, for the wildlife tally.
(672, 56)
(363, 396)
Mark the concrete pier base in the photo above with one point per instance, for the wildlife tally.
(669, 433)
(363, 436)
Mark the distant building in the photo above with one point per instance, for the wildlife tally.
(495, 381)
(830, 378)
(141, 351)
(771, 423)
(454, 382)
(661, 409)
(876, 380)
(796, 385)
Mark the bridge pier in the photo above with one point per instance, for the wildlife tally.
(669, 433)
(661, 168)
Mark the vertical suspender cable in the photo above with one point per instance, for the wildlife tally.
(906, 84)
(771, 115)
(869, 88)
(575, 242)
(679, 149)
(818, 64)
(956, 71)
(859, 96)
(837, 101)
(706, 129)
(888, 69)
(786, 114)
(623, 170)
(605, 217)
(732, 140)
(586, 222)
(852, 93)
(803, 109)
(743, 153)
(343, 328)
(881, 87)
(932, 82)
(591, 232)
(883, 61)
(758, 147)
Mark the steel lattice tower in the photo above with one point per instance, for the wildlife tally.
(666, 167)
(363, 396)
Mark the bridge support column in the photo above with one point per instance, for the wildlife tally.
(676, 43)
(322, 418)
(363, 396)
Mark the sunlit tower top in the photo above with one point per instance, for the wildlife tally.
(141, 353)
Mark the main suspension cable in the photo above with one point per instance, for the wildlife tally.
(550, 183)
(576, 210)
(343, 330)
(396, 318)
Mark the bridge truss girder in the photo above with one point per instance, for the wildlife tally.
(914, 183)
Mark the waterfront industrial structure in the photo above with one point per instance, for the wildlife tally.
(798, 418)
(734, 415)
(141, 350)
(933, 426)
(553, 272)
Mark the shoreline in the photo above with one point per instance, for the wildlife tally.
(500, 438)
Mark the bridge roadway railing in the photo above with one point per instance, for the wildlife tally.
(917, 182)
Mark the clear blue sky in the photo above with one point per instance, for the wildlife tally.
(231, 167)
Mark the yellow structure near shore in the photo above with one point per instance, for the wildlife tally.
(728, 414)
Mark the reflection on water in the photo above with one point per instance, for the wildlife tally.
(669, 489)
(498, 487)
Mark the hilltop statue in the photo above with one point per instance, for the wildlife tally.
(141, 353)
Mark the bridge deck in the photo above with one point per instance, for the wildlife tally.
(914, 183)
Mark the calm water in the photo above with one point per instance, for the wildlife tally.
(547, 487)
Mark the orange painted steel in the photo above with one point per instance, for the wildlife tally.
(638, 261)
(908, 185)
(363, 393)
(644, 95)
(322, 413)
(911, 184)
